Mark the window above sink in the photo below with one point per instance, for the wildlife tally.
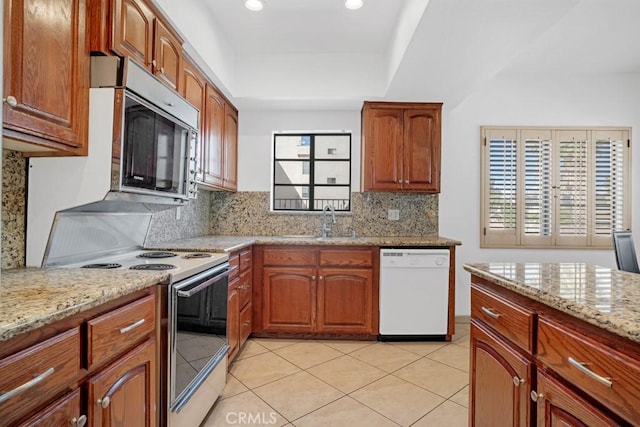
(310, 171)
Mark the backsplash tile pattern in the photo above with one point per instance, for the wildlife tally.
(247, 214)
(193, 222)
(13, 209)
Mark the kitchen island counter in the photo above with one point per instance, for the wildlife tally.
(32, 297)
(606, 298)
(233, 243)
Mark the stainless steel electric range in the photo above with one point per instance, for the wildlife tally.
(194, 315)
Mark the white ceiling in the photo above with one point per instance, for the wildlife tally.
(318, 54)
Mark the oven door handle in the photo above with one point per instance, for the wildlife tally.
(190, 292)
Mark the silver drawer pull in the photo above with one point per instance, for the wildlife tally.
(582, 368)
(131, 326)
(491, 313)
(8, 395)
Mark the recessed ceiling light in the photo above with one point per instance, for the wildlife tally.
(254, 5)
(353, 4)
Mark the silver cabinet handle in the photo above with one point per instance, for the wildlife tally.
(104, 402)
(491, 313)
(517, 381)
(131, 326)
(79, 422)
(536, 396)
(582, 368)
(8, 395)
(11, 101)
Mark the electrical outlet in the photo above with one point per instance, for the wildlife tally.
(394, 214)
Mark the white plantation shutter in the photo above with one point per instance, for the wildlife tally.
(610, 186)
(538, 193)
(554, 187)
(572, 188)
(501, 157)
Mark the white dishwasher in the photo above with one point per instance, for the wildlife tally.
(414, 293)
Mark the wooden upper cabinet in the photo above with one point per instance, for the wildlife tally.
(401, 147)
(230, 148)
(132, 31)
(193, 86)
(133, 28)
(46, 76)
(168, 55)
(421, 141)
(213, 138)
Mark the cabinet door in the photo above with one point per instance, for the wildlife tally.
(421, 154)
(245, 324)
(382, 149)
(133, 31)
(168, 55)
(46, 74)
(289, 299)
(559, 406)
(345, 300)
(124, 393)
(500, 382)
(233, 318)
(213, 138)
(230, 169)
(193, 88)
(63, 412)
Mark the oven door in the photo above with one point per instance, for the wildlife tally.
(198, 331)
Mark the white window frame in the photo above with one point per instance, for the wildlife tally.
(544, 153)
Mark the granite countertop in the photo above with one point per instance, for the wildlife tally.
(233, 243)
(609, 299)
(30, 298)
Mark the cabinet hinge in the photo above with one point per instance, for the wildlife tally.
(628, 143)
(485, 231)
(485, 141)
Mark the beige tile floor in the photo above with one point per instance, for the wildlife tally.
(347, 383)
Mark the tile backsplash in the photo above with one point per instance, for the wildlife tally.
(247, 214)
(193, 221)
(13, 209)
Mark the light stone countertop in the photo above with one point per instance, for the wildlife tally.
(30, 298)
(606, 298)
(233, 243)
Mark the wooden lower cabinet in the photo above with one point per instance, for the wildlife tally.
(557, 405)
(239, 326)
(65, 411)
(289, 299)
(124, 393)
(233, 318)
(344, 300)
(500, 381)
(314, 291)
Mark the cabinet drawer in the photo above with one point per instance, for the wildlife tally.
(346, 258)
(116, 331)
(289, 257)
(510, 320)
(234, 266)
(37, 373)
(59, 413)
(599, 370)
(245, 260)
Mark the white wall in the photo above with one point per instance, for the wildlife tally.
(255, 141)
(526, 100)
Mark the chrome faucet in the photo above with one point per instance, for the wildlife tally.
(326, 228)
